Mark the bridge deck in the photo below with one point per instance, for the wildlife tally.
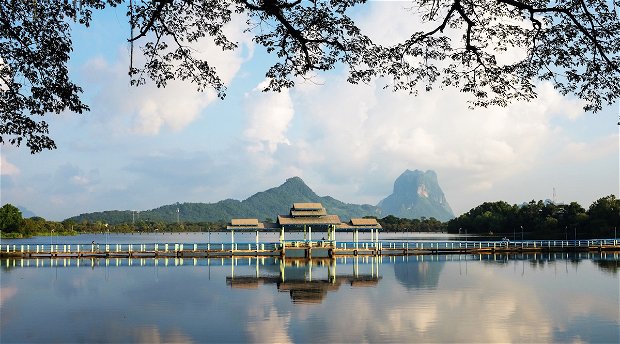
(300, 248)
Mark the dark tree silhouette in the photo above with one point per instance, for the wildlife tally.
(494, 49)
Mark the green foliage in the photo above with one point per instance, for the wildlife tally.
(572, 44)
(392, 223)
(605, 213)
(10, 218)
(540, 219)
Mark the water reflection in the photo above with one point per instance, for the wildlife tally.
(459, 298)
(309, 280)
(418, 273)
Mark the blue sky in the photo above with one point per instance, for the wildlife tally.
(139, 148)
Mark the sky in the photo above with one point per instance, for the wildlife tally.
(140, 148)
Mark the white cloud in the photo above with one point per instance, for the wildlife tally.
(6, 168)
(354, 128)
(347, 141)
(585, 152)
(147, 109)
(269, 116)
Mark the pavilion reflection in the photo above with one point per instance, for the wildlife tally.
(309, 280)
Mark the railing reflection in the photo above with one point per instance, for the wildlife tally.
(225, 261)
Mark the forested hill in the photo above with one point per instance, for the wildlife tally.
(263, 205)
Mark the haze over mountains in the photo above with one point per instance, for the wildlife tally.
(416, 194)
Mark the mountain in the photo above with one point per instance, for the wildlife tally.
(26, 213)
(417, 194)
(263, 205)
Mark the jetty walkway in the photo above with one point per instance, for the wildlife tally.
(301, 248)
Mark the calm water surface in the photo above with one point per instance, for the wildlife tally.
(457, 298)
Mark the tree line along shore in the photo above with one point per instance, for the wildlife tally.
(533, 220)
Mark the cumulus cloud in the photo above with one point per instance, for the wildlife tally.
(361, 130)
(585, 152)
(347, 141)
(69, 178)
(269, 116)
(352, 141)
(6, 168)
(147, 110)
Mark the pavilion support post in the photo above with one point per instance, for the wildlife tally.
(232, 239)
(372, 236)
(282, 239)
(310, 235)
(356, 239)
(257, 240)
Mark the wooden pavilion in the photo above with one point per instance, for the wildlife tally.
(306, 217)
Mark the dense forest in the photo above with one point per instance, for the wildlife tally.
(533, 220)
(540, 219)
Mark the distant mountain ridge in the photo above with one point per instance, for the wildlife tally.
(262, 205)
(26, 213)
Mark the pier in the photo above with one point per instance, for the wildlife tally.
(302, 248)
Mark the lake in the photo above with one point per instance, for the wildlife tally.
(557, 297)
